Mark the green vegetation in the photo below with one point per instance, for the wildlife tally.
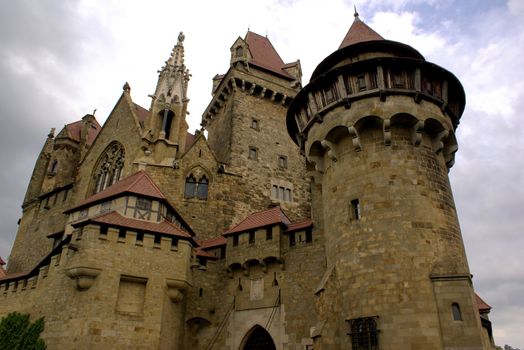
(17, 332)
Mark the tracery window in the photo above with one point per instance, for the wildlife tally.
(196, 188)
(109, 168)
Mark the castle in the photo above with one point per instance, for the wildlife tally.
(315, 217)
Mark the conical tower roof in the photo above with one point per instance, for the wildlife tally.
(359, 32)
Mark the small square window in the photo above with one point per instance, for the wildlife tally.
(282, 162)
(254, 124)
(143, 203)
(253, 153)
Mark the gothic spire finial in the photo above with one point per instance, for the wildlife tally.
(126, 87)
(181, 38)
(356, 13)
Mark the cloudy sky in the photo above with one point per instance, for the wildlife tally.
(62, 59)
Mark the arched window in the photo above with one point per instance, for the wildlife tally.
(364, 333)
(202, 188)
(53, 167)
(258, 339)
(196, 188)
(455, 310)
(109, 167)
(191, 185)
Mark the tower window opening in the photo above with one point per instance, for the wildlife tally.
(355, 209)
(363, 333)
(53, 167)
(398, 80)
(251, 237)
(253, 153)
(455, 310)
(190, 189)
(292, 241)
(361, 82)
(282, 162)
(254, 124)
(235, 241)
(167, 120)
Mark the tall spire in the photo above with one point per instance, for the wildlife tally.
(173, 76)
(358, 32)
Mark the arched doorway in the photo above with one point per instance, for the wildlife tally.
(257, 339)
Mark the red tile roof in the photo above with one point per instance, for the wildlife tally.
(299, 225)
(260, 219)
(212, 243)
(190, 139)
(114, 218)
(203, 254)
(139, 183)
(359, 32)
(481, 304)
(74, 130)
(264, 54)
(141, 112)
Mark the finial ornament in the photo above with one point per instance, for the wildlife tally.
(94, 111)
(181, 37)
(356, 13)
(126, 87)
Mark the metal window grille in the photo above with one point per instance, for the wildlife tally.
(363, 333)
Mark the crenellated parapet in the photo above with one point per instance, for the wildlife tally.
(385, 81)
(248, 85)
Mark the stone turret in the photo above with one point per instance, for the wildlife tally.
(167, 121)
(378, 122)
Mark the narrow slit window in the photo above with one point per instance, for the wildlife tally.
(251, 237)
(455, 310)
(355, 209)
(269, 234)
(235, 240)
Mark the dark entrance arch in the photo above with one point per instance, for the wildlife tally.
(258, 339)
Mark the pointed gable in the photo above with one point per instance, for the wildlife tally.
(139, 183)
(359, 32)
(264, 55)
(260, 219)
(74, 131)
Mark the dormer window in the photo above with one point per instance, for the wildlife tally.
(239, 51)
(143, 203)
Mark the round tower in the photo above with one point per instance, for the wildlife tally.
(378, 123)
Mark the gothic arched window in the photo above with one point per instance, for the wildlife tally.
(202, 188)
(190, 189)
(196, 188)
(109, 167)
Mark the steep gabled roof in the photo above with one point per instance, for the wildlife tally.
(74, 131)
(139, 183)
(260, 219)
(115, 219)
(359, 32)
(141, 112)
(481, 304)
(264, 55)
